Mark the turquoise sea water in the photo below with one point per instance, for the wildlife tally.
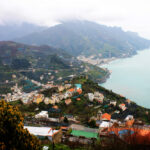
(131, 77)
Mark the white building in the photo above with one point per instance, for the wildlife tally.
(113, 103)
(42, 131)
(42, 114)
(91, 97)
(105, 124)
(129, 117)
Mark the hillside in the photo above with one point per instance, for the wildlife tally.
(89, 38)
(20, 63)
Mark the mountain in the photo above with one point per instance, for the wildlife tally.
(21, 63)
(89, 38)
(9, 32)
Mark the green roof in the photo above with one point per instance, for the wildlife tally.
(84, 133)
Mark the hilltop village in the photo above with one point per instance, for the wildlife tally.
(79, 110)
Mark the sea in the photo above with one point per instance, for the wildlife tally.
(130, 77)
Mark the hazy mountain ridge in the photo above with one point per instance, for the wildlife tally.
(11, 50)
(12, 31)
(89, 38)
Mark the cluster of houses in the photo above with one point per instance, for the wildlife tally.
(36, 97)
(96, 96)
(107, 123)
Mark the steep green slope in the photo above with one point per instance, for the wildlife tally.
(20, 63)
(88, 38)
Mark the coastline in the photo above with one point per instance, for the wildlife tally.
(130, 77)
(100, 62)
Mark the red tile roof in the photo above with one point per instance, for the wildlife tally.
(106, 116)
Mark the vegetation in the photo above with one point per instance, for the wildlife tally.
(13, 135)
(20, 64)
(92, 123)
(42, 64)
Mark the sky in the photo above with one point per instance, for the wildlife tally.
(133, 15)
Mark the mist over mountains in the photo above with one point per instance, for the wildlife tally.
(88, 38)
(12, 31)
(78, 38)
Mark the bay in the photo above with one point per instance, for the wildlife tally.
(130, 77)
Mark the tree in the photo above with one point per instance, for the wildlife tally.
(92, 123)
(20, 64)
(66, 120)
(13, 136)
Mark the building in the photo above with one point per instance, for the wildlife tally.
(103, 124)
(72, 90)
(91, 97)
(79, 91)
(123, 107)
(46, 100)
(78, 86)
(68, 101)
(113, 103)
(106, 117)
(129, 117)
(61, 88)
(55, 98)
(67, 86)
(38, 98)
(42, 114)
(42, 131)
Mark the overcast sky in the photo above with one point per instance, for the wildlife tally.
(133, 15)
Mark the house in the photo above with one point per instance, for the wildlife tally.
(66, 94)
(78, 86)
(55, 98)
(61, 88)
(46, 100)
(103, 124)
(67, 86)
(79, 91)
(123, 107)
(129, 117)
(91, 97)
(42, 114)
(38, 98)
(99, 97)
(72, 90)
(105, 117)
(26, 98)
(42, 131)
(55, 107)
(68, 101)
(113, 103)
(78, 99)
(52, 101)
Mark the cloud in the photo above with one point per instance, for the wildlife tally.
(130, 14)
